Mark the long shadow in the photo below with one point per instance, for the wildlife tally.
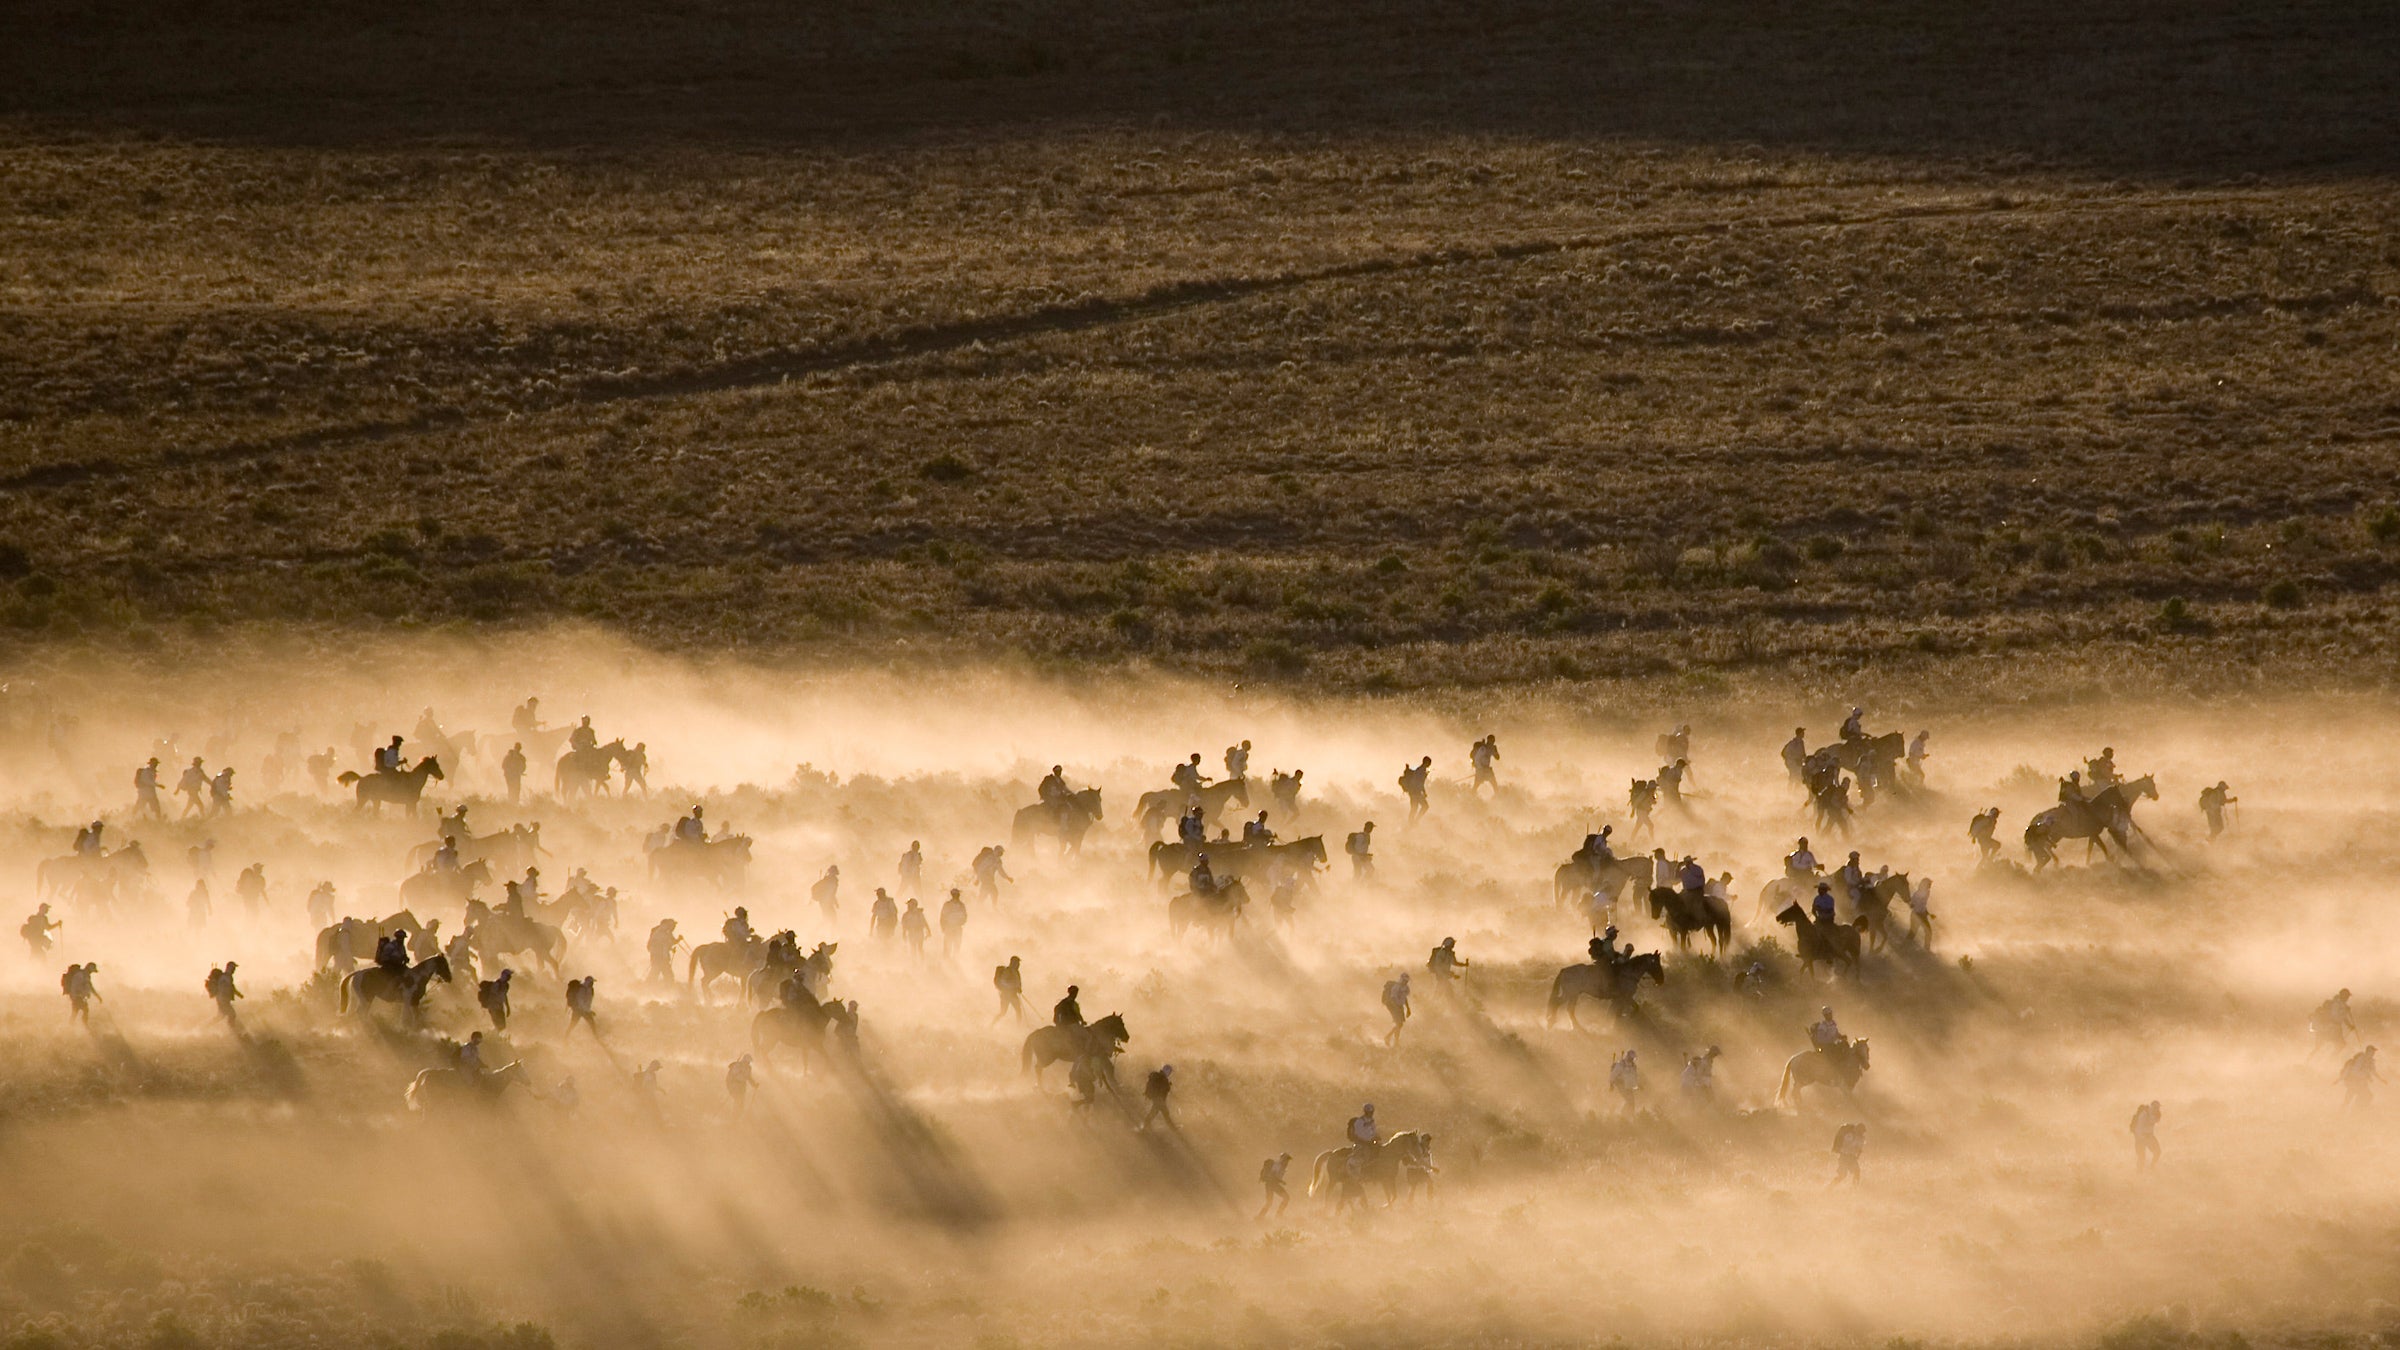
(2211, 87)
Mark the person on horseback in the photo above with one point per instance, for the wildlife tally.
(1203, 878)
(692, 829)
(512, 900)
(2102, 772)
(1053, 790)
(1625, 1080)
(1361, 848)
(2213, 801)
(87, 840)
(1155, 1090)
(1192, 828)
(1271, 1179)
(1692, 877)
(1848, 1142)
(1187, 775)
(1395, 1002)
(1412, 785)
(579, 1006)
(527, 718)
(1795, 753)
(737, 927)
(1604, 949)
(470, 1057)
(1983, 830)
(445, 858)
(388, 759)
(1255, 832)
(1825, 1033)
(1362, 1131)
(492, 996)
(1009, 980)
(2070, 788)
(583, 737)
(512, 768)
(2145, 1136)
(2358, 1079)
(1445, 962)
(662, 945)
(1068, 1012)
(1821, 906)
(391, 953)
(1596, 848)
(1854, 726)
(38, 927)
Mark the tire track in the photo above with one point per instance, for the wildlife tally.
(1075, 316)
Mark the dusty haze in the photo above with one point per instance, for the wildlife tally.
(168, 1183)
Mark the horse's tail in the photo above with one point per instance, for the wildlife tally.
(342, 1003)
(1025, 1056)
(1318, 1174)
(346, 778)
(691, 971)
(416, 1090)
(1558, 984)
(1783, 1090)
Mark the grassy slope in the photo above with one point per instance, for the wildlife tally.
(1395, 344)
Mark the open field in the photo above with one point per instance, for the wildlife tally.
(1389, 348)
(176, 1185)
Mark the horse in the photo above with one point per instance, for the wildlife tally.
(495, 935)
(814, 971)
(508, 851)
(404, 987)
(1303, 855)
(1066, 821)
(2105, 817)
(1833, 944)
(97, 879)
(583, 773)
(430, 887)
(1825, 1066)
(1583, 875)
(1218, 913)
(457, 1085)
(1100, 1041)
(351, 941)
(1156, 807)
(1617, 987)
(404, 788)
(723, 960)
(723, 863)
(1345, 1172)
(801, 1024)
(1685, 915)
(1875, 900)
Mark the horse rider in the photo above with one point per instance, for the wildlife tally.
(1203, 880)
(87, 840)
(1854, 726)
(1192, 828)
(1256, 831)
(1009, 980)
(2070, 788)
(2103, 771)
(1596, 847)
(583, 737)
(527, 718)
(1825, 1033)
(1445, 962)
(1693, 877)
(1155, 1090)
(1053, 790)
(37, 929)
(1361, 848)
(1237, 760)
(1982, 830)
(1362, 1131)
(391, 953)
(445, 858)
(1067, 1012)
(1853, 878)
(737, 927)
(512, 900)
(470, 1057)
(1795, 752)
(692, 829)
(1604, 949)
(389, 759)
(1187, 775)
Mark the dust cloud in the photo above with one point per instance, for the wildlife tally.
(171, 1179)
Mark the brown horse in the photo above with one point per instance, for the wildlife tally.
(1829, 943)
(1099, 1042)
(1345, 1172)
(402, 789)
(1066, 822)
(1216, 914)
(361, 988)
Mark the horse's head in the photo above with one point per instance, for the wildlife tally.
(1112, 1027)
(824, 952)
(1313, 848)
(1089, 800)
(432, 767)
(1650, 966)
(2144, 786)
(1791, 914)
(437, 966)
(1859, 1048)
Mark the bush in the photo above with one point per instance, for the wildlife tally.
(2284, 594)
(2176, 616)
(946, 469)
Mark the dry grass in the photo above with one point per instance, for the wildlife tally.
(1397, 347)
